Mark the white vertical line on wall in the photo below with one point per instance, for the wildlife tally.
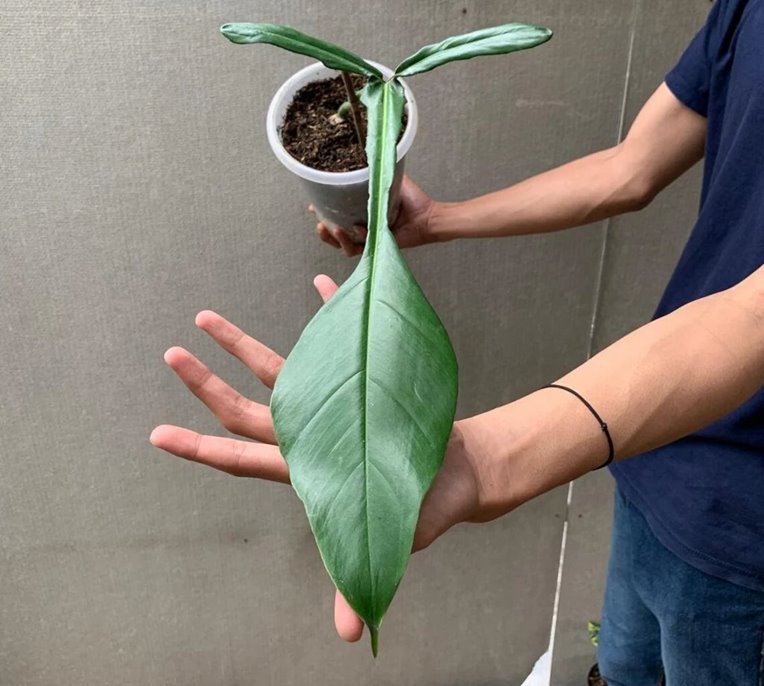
(636, 8)
(608, 222)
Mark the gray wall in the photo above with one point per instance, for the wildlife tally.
(137, 189)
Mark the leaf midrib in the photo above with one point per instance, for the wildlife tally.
(374, 241)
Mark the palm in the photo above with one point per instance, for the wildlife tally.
(413, 216)
(410, 226)
(450, 500)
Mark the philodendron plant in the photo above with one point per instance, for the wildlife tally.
(364, 405)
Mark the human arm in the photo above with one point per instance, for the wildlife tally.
(665, 140)
(661, 382)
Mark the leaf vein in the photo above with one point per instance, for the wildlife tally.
(408, 320)
(336, 496)
(411, 415)
(323, 404)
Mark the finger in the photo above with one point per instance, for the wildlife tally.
(312, 208)
(263, 362)
(325, 286)
(325, 235)
(236, 413)
(346, 621)
(230, 455)
(409, 189)
(361, 232)
(348, 246)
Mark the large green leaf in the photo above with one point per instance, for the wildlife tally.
(363, 406)
(333, 56)
(496, 40)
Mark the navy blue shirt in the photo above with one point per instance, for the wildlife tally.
(703, 496)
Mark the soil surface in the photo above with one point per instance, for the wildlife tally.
(314, 136)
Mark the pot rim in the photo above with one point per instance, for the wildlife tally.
(283, 98)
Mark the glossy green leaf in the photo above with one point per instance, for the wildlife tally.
(496, 40)
(364, 405)
(333, 56)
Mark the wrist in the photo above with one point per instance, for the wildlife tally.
(528, 447)
(489, 449)
(442, 222)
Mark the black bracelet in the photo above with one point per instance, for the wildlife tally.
(603, 425)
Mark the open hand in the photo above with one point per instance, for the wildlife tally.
(411, 227)
(452, 498)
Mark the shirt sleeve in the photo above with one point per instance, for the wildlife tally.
(690, 79)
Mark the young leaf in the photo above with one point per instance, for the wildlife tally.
(364, 405)
(333, 56)
(496, 40)
(594, 633)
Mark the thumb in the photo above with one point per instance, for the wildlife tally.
(325, 286)
(349, 626)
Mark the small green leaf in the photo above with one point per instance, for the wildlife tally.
(594, 633)
(333, 56)
(345, 111)
(364, 405)
(496, 40)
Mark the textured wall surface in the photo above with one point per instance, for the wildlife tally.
(137, 188)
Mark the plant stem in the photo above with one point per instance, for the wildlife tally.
(355, 106)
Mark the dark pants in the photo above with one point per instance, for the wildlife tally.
(662, 615)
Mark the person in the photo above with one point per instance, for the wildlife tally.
(681, 396)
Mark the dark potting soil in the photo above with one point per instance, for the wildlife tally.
(314, 136)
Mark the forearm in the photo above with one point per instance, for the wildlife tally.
(656, 385)
(664, 141)
(580, 192)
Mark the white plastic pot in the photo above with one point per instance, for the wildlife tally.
(340, 198)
